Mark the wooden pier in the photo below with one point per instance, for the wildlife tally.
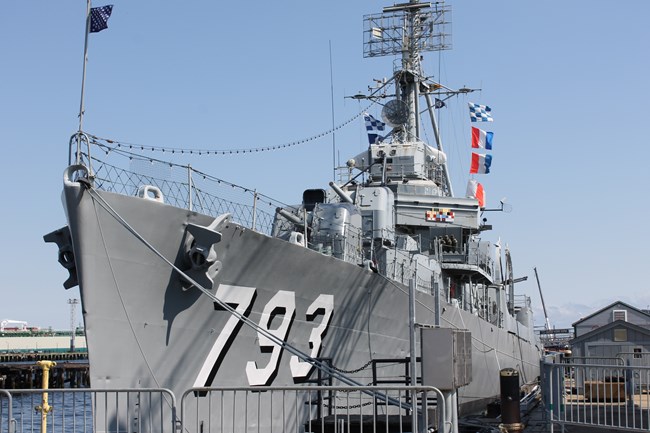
(23, 356)
(28, 375)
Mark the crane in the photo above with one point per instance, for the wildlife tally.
(547, 323)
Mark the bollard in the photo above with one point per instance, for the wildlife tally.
(45, 407)
(510, 411)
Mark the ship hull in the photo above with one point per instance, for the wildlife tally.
(147, 327)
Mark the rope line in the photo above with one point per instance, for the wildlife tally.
(234, 151)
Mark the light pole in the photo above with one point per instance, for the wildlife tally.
(73, 305)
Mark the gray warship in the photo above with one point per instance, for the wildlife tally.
(184, 287)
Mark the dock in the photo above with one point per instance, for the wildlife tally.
(13, 357)
(27, 375)
(21, 349)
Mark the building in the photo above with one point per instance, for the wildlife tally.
(41, 341)
(618, 330)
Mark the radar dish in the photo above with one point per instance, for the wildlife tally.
(395, 113)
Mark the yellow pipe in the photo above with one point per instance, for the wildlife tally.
(45, 407)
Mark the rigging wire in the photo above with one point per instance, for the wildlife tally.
(234, 151)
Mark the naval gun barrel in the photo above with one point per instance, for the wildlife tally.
(289, 216)
(344, 195)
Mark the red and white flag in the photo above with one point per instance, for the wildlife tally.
(480, 163)
(475, 190)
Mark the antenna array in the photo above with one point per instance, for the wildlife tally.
(390, 32)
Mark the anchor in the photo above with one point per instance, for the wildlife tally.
(63, 240)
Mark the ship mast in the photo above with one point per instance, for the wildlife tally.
(406, 30)
(409, 77)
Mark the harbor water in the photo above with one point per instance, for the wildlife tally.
(70, 412)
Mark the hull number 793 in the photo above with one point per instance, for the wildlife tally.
(241, 299)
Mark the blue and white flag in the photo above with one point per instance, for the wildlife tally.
(99, 18)
(479, 113)
(374, 126)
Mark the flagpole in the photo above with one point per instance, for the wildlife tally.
(83, 77)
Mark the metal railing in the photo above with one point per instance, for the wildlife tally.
(614, 397)
(635, 359)
(469, 254)
(316, 409)
(596, 360)
(145, 410)
(293, 409)
(6, 416)
(183, 186)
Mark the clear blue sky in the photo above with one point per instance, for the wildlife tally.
(567, 82)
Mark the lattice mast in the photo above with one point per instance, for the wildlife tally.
(407, 29)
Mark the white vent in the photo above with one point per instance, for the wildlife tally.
(619, 315)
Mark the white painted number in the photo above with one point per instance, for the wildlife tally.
(283, 304)
(240, 298)
(286, 303)
(301, 369)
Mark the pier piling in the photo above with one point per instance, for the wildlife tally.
(25, 375)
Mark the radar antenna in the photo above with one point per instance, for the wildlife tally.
(395, 113)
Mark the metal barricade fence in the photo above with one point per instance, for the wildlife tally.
(316, 409)
(146, 410)
(614, 397)
(297, 409)
(596, 360)
(6, 418)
